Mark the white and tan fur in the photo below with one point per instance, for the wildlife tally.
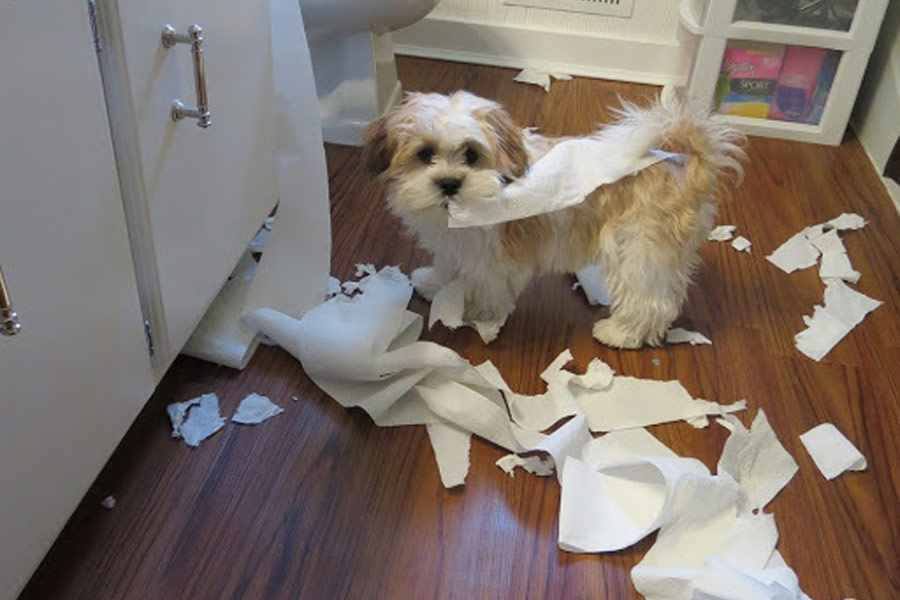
(644, 230)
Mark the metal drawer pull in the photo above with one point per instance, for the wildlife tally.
(194, 37)
(9, 319)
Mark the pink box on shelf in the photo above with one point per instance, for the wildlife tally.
(797, 82)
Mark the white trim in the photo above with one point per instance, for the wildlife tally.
(640, 61)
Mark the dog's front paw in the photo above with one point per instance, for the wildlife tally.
(425, 282)
(611, 333)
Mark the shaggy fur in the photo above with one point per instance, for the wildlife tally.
(644, 230)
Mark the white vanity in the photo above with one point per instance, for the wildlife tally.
(118, 224)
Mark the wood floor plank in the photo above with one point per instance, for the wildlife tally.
(319, 503)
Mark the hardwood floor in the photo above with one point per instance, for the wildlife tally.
(318, 503)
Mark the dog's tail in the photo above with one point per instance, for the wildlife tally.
(713, 150)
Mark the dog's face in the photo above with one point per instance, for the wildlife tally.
(434, 149)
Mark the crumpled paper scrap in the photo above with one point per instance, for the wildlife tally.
(590, 279)
(539, 77)
(535, 465)
(799, 252)
(721, 233)
(741, 244)
(448, 307)
(677, 335)
(843, 310)
(756, 460)
(364, 351)
(196, 419)
(832, 452)
(255, 409)
(564, 177)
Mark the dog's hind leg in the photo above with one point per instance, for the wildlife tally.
(647, 276)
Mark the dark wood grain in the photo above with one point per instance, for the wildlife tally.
(320, 503)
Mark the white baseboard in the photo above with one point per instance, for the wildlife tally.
(638, 61)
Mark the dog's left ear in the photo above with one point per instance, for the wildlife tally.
(377, 147)
(513, 157)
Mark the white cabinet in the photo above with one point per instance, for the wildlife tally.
(195, 195)
(76, 375)
(848, 27)
(111, 215)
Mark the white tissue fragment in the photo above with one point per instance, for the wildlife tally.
(448, 305)
(835, 262)
(721, 233)
(590, 279)
(741, 244)
(844, 309)
(255, 409)
(800, 251)
(533, 464)
(539, 78)
(108, 503)
(561, 178)
(677, 335)
(196, 419)
(756, 460)
(334, 287)
(832, 452)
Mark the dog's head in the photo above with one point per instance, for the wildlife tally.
(434, 149)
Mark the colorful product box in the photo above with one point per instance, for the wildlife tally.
(748, 78)
(823, 87)
(797, 83)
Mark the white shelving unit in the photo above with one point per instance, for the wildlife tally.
(708, 25)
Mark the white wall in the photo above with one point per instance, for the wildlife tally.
(643, 48)
(877, 114)
(653, 20)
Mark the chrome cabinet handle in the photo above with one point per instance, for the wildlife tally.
(194, 37)
(9, 319)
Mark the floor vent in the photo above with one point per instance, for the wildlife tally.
(612, 8)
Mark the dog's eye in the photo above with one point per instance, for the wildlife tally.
(426, 154)
(471, 156)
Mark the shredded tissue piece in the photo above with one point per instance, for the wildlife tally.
(741, 244)
(539, 77)
(255, 409)
(196, 419)
(590, 279)
(334, 287)
(532, 464)
(108, 503)
(677, 335)
(364, 351)
(563, 177)
(843, 310)
(721, 233)
(832, 452)
(800, 252)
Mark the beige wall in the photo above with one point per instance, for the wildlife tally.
(877, 114)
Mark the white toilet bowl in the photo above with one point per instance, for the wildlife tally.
(353, 59)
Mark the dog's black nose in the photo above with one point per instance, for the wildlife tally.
(449, 185)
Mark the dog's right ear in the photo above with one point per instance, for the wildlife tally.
(377, 147)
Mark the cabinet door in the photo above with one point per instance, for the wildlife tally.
(206, 191)
(74, 378)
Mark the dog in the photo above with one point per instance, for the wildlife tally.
(644, 230)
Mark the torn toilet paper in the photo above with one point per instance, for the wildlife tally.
(591, 280)
(255, 409)
(799, 251)
(108, 503)
(539, 77)
(741, 244)
(843, 310)
(721, 233)
(299, 245)
(832, 452)
(196, 419)
(677, 335)
(563, 177)
(532, 464)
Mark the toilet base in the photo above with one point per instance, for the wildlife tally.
(356, 82)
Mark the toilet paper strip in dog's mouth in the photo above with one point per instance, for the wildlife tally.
(562, 178)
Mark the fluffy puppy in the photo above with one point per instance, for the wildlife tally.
(644, 230)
